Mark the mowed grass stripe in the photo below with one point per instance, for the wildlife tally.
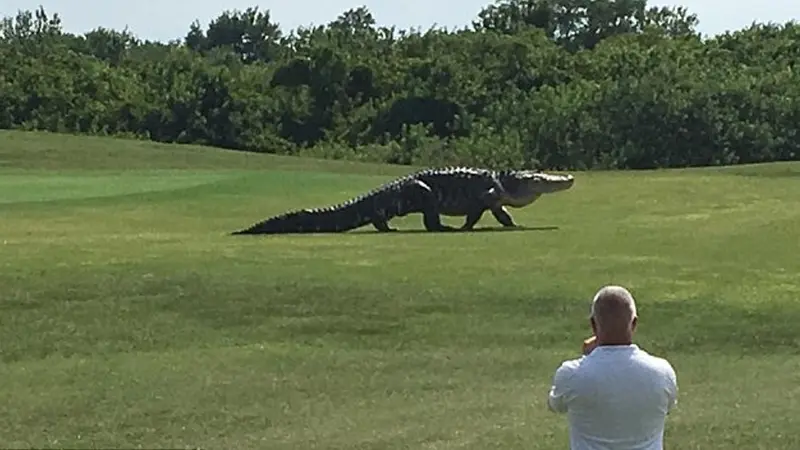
(429, 399)
(133, 319)
(19, 188)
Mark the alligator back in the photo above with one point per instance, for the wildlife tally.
(457, 190)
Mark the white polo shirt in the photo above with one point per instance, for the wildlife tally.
(617, 397)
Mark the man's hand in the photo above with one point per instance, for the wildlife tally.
(589, 345)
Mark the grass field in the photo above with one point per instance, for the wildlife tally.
(131, 319)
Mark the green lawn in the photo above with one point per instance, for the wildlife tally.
(130, 318)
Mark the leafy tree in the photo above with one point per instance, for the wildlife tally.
(250, 34)
(564, 84)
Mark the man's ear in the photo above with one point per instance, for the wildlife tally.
(634, 322)
(594, 325)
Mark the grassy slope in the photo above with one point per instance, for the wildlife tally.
(130, 319)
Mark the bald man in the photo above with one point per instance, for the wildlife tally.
(616, 396)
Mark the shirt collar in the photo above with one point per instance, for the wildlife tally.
(615, 348)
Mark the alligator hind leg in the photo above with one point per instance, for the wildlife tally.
(472, 218)
(383, 226)
(433, 221)
(503, 216)
(424, 197)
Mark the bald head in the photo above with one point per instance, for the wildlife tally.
(614, 313)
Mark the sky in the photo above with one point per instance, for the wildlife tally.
(164, 20)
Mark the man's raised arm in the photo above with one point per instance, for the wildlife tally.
(560, 391)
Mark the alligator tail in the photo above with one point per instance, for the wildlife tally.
(284, 223)
(333, 219)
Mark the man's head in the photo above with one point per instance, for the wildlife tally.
(613, 315)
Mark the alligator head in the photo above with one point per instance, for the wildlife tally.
(523, 187)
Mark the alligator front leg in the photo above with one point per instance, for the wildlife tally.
(503, 216)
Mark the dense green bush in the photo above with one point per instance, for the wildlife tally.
(569, 84)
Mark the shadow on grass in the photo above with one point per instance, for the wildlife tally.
(367, 231)
(474, 230)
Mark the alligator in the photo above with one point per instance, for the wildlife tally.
(433, 192)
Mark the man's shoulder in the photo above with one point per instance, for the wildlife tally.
(572, 364)
(569, 368)
(656, 362)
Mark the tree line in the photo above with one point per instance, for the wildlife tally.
(555, 84)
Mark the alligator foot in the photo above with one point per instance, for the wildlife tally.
(442, 228)
(472, 219)
(383, 227)
(504, 217)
